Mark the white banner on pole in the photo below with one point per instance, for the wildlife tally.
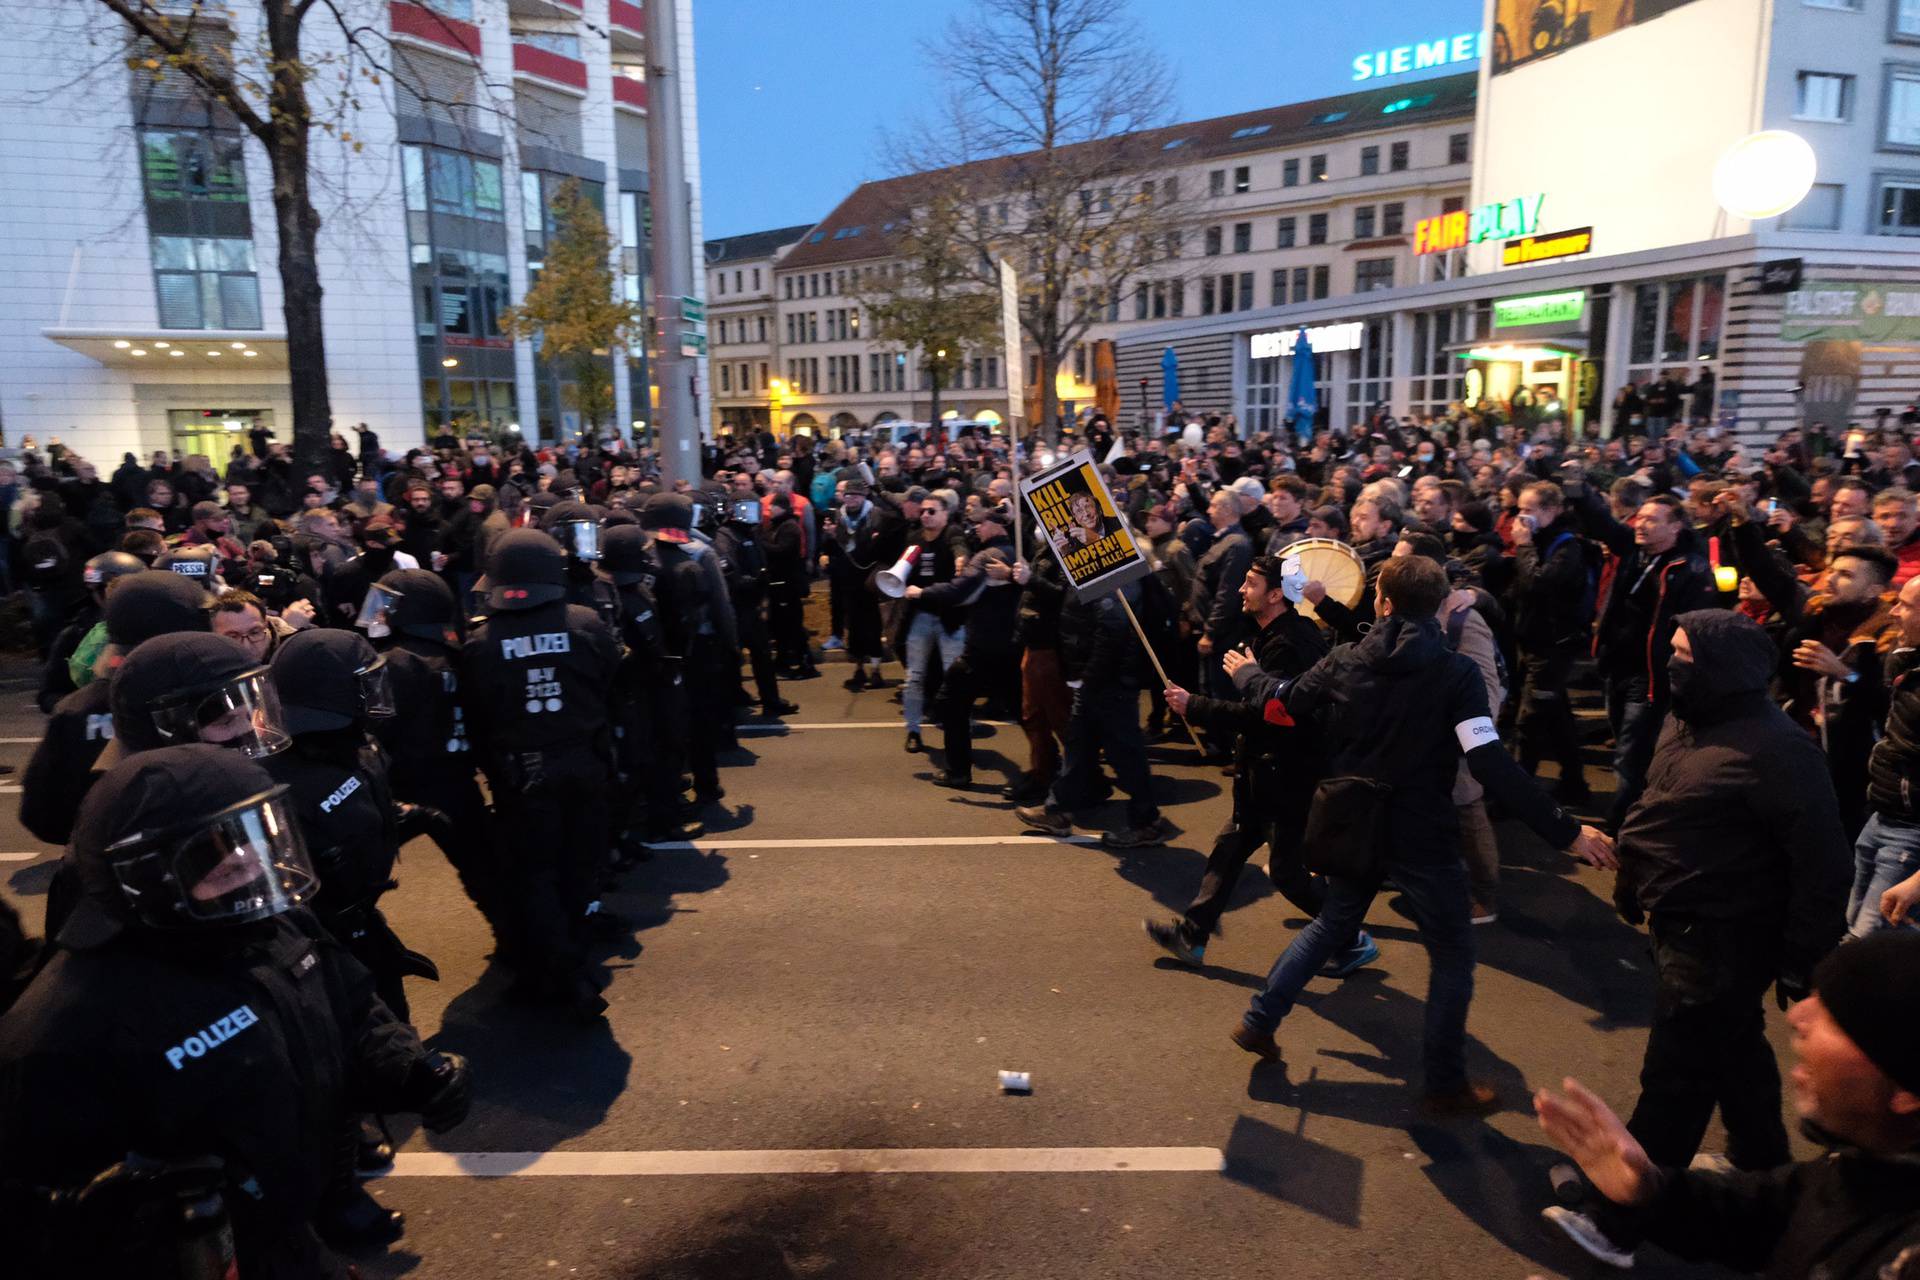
(1013, 359)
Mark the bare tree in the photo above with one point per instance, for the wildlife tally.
(929, 298)
(1047, 143)
(304, 69)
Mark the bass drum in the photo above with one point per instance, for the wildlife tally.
(1334, 565)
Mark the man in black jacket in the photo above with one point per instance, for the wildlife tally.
(988, 662)
(1277, 767)
(1215, 606)
(1399, 710)
(1552, 613)
(1660, 576)
(1735, 857)
(1851, 1214)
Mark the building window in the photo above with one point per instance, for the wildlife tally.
(1372, 273)
(1270, 385)
(726, 379)
(1820, 211)
(1369, 161)
(1159, 300)
(1206, 295)
(1301, 289)
(1457, 147)
(1363, 222)
(1290, 173)
(1173, 243)
(1246, 290)
(1243, 237)
(1370, 379)
(1177, 294)
(1904, 20)
(1824, 97)
(1902, 128)
(1217, 182)
(1675, 324)
(1438, 378)
(1242, 179)
(1317, 168)
(1278, 288)
(1322, 281)
(1316, 228)
(202, 234)
(1851, 6)
(1899, 207)
(1213, 242)
(1399, 157)
(1285, 239)
(1140, 302)
(1393, 219)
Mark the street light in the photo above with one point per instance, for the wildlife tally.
(776, 392)
(1764, 174)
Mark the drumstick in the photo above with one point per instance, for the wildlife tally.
(1155, 659)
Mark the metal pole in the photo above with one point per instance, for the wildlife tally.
(675, 427)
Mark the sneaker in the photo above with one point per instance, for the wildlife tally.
(857, 681)
(1485, 913)
(833, 644)
(1712, 1162)
(1054, 822)
(774, 710)
(1362, 953)
(1260, 1044)
(1470, 1099)
(914, 745)
(953, 781)
(1157, 832)
(351, 1221)
(1586, 1233)
(1172, 939)
(373, 1153)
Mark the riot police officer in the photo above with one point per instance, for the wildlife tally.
(650, 693)
(144, 605)
(539, 677)
(415, 625)
(200, 564)
(576, 527)
(70, 661)
(744, 561)
(195, 1029)
(689, 590)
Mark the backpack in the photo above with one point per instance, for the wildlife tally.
(1590, 597)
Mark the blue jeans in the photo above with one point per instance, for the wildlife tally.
(1437, 892)
(1636, 732)
(1887, 852)
(924, 634)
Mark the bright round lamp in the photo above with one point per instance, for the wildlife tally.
(1764, 174)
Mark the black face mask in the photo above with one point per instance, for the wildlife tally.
(1680, 679)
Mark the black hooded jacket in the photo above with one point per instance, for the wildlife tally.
(1739, 820)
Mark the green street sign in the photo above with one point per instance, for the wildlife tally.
(693, 344)
(1540, 308)
(693, 310)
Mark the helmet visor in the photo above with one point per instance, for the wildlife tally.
(378, 600)
(581, 538)
(376, 689)
(244, 863)
(243, 713)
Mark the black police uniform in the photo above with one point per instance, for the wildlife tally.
(649, 699)
(697, 623)
(430, 755)
(250, 1042)
(540, 683)
(744, 561)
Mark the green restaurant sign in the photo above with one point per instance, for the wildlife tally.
(1540, 308)
(1866, 310)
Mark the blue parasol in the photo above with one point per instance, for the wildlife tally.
(1170, 376)
(1303, 398)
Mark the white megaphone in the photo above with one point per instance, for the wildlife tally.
(893, 582)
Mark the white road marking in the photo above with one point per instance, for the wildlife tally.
(847, 724)
(635, 1164)
(870, 842)
(10, 790)
(19, 857)
(18, 742)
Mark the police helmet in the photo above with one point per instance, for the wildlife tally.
(416, 603)
(625, 555)
(329, 678)
(525, 568)
(186, 838)
(710, 506)
(576, 527)
(107, 566)
(153, 603)
(195, 687)
(668, 515)
(200, 564)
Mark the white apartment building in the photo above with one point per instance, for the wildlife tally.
(1598, 252)
(741, 327)
(1291, 204)
(143, 309)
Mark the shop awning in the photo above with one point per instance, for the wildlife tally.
(126, 348)
(1519, 350)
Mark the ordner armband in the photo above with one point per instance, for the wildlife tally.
(1477, 732)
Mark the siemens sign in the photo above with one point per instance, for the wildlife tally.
(1420, 57)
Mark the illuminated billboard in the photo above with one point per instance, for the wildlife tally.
(1528, 30)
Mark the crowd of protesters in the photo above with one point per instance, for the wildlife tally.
(1741, 625)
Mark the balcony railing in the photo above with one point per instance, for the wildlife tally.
(528, 60)
(434, 28)
(630, 16)
(628, 92)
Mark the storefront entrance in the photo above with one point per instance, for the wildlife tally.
(214, 432)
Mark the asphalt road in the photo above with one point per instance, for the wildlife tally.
(792, 1009)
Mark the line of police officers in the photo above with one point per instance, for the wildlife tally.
(195, 1072)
